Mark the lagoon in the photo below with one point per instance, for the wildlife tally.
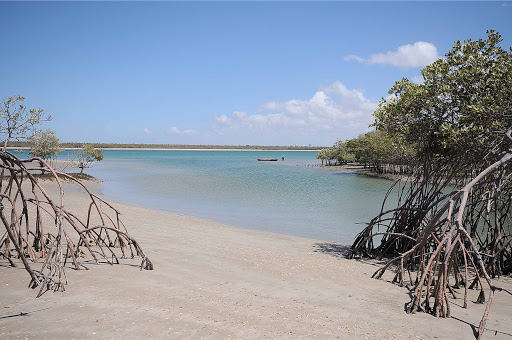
(232, 187)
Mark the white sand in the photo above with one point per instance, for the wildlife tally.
(220, 282)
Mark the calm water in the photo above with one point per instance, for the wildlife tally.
(232, 187)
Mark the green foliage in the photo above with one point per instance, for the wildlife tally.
(341, 153)
(44, 144)
(324, 155)
(460, 112)
(86, 156)
(337, 153)
(16, 121)
(374, 149)
(328, 155)
(377, 149)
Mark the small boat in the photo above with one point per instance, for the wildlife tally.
(267, 159)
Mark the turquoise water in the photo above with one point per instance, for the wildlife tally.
(232, 187)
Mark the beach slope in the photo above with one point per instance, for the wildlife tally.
(220, 282)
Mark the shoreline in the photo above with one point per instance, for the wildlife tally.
(359, 169)
(217, 281)
(181, 149)
(191, 149)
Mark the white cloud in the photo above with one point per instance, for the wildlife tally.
(174, 130)
(147, 131)
(334, 109)
(418, 54)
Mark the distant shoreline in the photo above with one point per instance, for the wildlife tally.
(194, 149)
(164, 149)
(115, 146)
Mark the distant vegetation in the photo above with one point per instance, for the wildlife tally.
(84, 157)
(23, 144)
(45, 145)
(376, 150)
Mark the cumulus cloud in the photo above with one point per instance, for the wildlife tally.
(334, 108)
(175, 131)
(419, 54)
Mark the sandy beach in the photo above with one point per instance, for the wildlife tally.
(215, 281)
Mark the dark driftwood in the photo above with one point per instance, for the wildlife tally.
(455, 239)
(38, 228)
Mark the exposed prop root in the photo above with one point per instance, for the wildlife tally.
(463, 236)
(39, 228)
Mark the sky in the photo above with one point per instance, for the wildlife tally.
(225, 73)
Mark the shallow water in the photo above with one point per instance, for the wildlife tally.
(232, 187)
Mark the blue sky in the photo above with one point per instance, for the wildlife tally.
(266, 73)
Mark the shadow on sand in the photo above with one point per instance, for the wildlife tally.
(333, 249)
(340, 251)
(22, 314)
